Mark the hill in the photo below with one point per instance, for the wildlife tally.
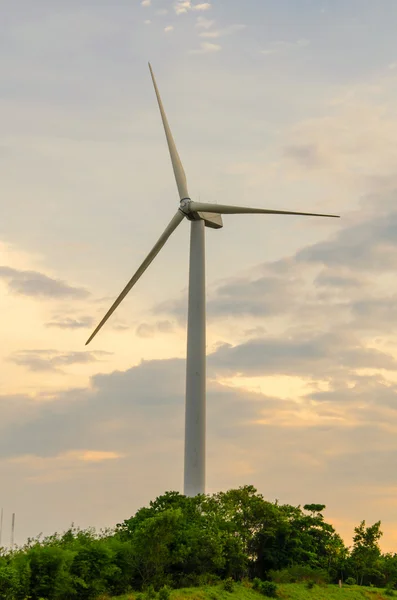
(286, 591)
(189, 543)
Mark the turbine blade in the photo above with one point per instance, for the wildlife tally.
(176, 161)
(150, 257)
(225, 209)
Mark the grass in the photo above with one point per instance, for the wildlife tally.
(286, 591)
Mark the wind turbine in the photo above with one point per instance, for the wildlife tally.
(200, 215)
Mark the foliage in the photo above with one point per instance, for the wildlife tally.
(164, 593)
(9, 582)
(150, 593)
(269, 589)
(350, 581)
(299, 573)
(366, 552)
(256, 584)
(228, 585)
(178, 542)
(310, 584)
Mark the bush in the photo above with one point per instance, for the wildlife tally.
(389, 592)
(310, 584)
(164, 593)
(207, 579)
(269, 589)
(256, 584)
(150, 593)
(228, 585)
(8, 582)
(350, 581)
(299, 573)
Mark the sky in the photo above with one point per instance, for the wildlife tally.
(284, 104)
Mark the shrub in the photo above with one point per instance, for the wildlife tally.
(228, 585)
(150, 593)
(256, 584)
(269, 589)
(298, 573)
(310, 584)
(389, 592)
(350, 581)
(207, 579)
(8, 582)
(164, 593)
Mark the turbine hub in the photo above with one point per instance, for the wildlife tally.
(184, 206)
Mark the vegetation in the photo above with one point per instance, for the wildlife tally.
(285, 591)
(229, 544)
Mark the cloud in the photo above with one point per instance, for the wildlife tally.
(71, 323)
(206, 48)
(334, 278)
(305, 155)
(52, 360)
(147, 22)
(203, 23)
(278, 47)
(161, 12)
(75, 442)
(314, 356)
(222, 32)
(34, 284)
(270, 294)
(202, 6)
(169, 28)
(90, 456)
(345, 283)
(369, 246)
(146, 2)
(184, 6)
(145, 330)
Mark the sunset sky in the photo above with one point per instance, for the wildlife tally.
(285, 104)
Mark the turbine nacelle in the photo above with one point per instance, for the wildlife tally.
(212, 220)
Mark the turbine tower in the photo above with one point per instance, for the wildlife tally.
(200, 215)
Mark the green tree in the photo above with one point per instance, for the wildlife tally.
(9, 582)
(366, 553)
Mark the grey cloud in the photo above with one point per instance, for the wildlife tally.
(139, 413)
(315, 356)
(268, 294)
(151, 393)
(263, 296)
(372, 392)
(51, 360)
(34, 284)
(306, 155)
(375, 311)
(338, 279)
(146, 330)
(71, 323)
(346, 283)
(369, 246)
